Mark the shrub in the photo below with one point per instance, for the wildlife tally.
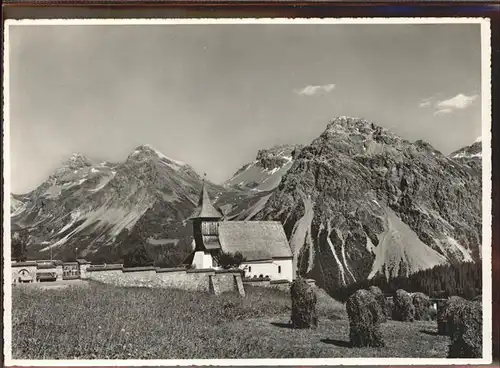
(364, 312)
(380, 298)
(229, 260)
(422, 305)
(466, 332)
(445, 314)
(403, 307)
(303, 304)
(139, 257)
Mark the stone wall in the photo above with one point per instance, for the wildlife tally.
(105, 275)
(280, 284)
(205, 280)
(180, 278)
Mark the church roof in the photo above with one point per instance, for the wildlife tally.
(255, 240)
(205, 207)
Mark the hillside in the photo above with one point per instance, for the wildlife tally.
(97, 207)
(360, 201)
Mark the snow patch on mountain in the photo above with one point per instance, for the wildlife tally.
(342, 251)
(399, 247)
(301, 233)
(335, 256)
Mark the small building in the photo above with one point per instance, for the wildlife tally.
(46, 271)
(71, 270)
(23, 272)
(83, 265)
(263, 244)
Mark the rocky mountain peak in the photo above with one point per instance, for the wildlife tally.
(77, 161)
(265, 172)
(470, 156)
(276, 156)
(147, 152)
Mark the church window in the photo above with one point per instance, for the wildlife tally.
(279, 269)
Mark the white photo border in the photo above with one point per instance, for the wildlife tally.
(486, 197)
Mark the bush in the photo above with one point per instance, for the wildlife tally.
(403, 307)
(466, 331)
(380, 298)
(422, 305)
(445, 314)
(229, 260)
(139, 257)
(364, 314)
(303, 304)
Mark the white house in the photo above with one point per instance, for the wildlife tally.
(263, 244)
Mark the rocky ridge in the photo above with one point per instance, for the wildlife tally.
(97, 207)
(361, 201)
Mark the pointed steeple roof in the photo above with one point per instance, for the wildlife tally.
(205, 207)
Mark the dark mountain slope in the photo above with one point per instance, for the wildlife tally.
(361, 201)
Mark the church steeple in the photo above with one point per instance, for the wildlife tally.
(205, 209)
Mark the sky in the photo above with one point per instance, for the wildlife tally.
(213, 95)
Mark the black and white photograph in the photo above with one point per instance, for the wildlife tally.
(247, 191)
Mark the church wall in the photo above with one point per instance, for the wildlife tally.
(269, 268)
(256, 269)
(286, 269)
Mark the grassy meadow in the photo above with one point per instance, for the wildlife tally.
(96, 321)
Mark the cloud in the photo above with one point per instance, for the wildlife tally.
(312, 90)
(460, 101)
(425, 103)
(443, 111)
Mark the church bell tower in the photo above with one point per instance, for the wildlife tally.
(205, 230)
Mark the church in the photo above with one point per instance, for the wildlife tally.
(263, 244)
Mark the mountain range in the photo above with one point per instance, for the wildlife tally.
(356, 202)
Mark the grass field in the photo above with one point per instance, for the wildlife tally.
(104, 322)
